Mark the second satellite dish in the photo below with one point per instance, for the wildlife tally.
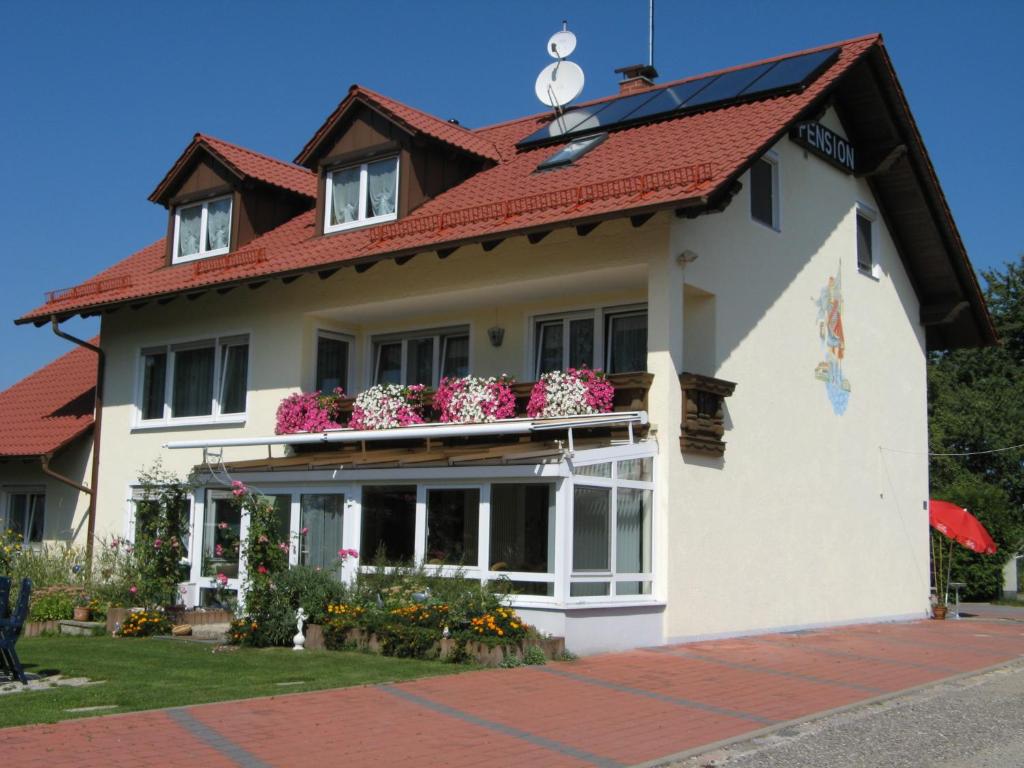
(562, 44)
(559, 83)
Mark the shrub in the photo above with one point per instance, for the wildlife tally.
(55, 603)
(50, 565)
(575, 392)
(309, 588)
(309, 412)
(475, 400)
(144, 622)
(534, 656)
(161, 525)
(10, 548)
(384, 406)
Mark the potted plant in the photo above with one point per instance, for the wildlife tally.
(941, 563)
(83, 608)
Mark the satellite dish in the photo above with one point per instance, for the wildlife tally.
(561, 44)
(559, 83)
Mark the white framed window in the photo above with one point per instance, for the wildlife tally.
(421, 357)
(866, 219)
(361, 194)
(194, 382)
(202, 230)
(612, 529)
(613, 339)
(26, 514)
(333, 356)
(764, 191)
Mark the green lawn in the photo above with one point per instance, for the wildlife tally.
(152, 673)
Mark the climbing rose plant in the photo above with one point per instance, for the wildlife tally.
(385, 406)
(575, 392)
(309, 412)
(475, 400)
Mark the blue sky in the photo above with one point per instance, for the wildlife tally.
(98, 100)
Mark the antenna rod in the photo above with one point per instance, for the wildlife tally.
(650, 33)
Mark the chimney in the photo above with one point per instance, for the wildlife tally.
(636, 78)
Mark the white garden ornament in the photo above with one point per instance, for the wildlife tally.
(299, 641)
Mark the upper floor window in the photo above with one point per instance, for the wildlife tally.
(421, 357)
(571, 341)
(26, 515)
(202, 229)
(200, 380)
(332, 356)
(865, 240)
(361, 194)
(764, 191)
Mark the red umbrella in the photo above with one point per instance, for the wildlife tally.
(960, 525)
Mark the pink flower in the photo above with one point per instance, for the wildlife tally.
(304, 531)
(261, 569)
(238, 488)
(158, 543)
(309, 412)
(115, 542)
(346, 553)
(263, 538)
(222, 526)
(284, 546)
(133, 589)
(218, 550)
(222, 579)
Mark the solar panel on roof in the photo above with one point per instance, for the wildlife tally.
(693, 95)
(727, 86)
(615, 112)
(792, 71)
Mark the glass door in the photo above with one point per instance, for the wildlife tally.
(321, 527)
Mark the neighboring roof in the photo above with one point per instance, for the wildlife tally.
(687, 163)
(245, 164)
(412, 120)
(49, 408)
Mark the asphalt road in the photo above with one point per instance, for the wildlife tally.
(973, 722)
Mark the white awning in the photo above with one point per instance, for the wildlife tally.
(428, 431)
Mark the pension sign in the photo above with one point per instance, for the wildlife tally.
(826, 144)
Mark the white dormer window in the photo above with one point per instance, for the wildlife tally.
(202, 230)
(361, 194)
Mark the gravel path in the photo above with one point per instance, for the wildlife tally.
(975, 722)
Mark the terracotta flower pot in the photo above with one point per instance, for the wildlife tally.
(82, 613)
(939, 612)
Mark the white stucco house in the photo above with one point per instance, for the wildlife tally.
(761, 259)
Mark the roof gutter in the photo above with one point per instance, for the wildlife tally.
(97, 423)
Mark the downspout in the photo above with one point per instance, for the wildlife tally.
(96, 432)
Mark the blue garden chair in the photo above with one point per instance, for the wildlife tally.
(10, 630)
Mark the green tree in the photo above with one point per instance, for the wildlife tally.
(975, 405)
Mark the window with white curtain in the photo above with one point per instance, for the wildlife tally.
(26, 514)
(361, 194)
(611, 529)
(421, 357)
(202, 230)
(202, 380)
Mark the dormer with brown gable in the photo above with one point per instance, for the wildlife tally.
(221, 196)
(377, 160)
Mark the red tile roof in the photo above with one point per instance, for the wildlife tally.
(49, 408)
(244, 163)
(667, 164)
(414, 120)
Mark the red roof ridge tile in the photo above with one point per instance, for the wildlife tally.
(244, 162)
(410, 117)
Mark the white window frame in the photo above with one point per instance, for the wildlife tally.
(863, 210)
(337, 336)
(772, 158)
(600, 316)
(439, 336)
(219, 345)
(8, 498)
(203, 254)
(362, 219)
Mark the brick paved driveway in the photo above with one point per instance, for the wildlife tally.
(610, 710)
